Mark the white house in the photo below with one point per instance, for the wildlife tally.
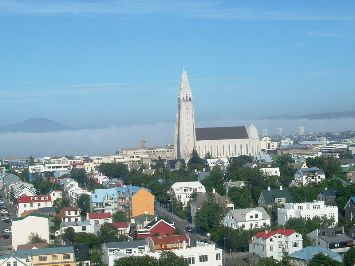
(70, 214)
(55, 194)
(115, 250)
(23, 227)
(306, 176)
(247, 218)
(221, 162)
(28, 203)
(271, 171)
(183, 191)
(98, 219)
(78, 226)
(275, 244)
(306, 210)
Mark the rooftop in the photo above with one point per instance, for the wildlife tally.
(215, 133)
(126, 244)
(281, 231)
(308, 253)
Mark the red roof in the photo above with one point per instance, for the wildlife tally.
(100, 215)
(36, 198)
(266, 234)
(120, 224)
(169, 239)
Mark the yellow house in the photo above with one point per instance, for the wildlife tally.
(59, 256)
(142, 203)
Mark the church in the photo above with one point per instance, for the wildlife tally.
(219, 142)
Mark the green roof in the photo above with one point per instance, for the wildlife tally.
(44, 251)
(31, 214)
(270, 195)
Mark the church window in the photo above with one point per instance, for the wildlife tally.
(229, 149)
(241, 149)
(222, 150)
(252, 149)
(247, 149)
(235, 149)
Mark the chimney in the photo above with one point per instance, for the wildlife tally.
(213, 190)
(325, 188)
(268, 188)
(280, 187)
(204, 170)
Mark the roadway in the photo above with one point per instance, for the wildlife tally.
(5, 244)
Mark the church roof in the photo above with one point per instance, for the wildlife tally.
(215, 133)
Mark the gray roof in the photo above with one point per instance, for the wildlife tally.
(215, 133)
(44, 251)
(239, 214)
(11, 178)
(272, 194)
(329, 193)
(126, 244)
(307, 253)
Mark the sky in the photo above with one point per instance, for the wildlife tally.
(104, 63)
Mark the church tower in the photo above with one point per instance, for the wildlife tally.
(185, 138)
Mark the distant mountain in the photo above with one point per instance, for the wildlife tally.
(38, 125)
(334, 115)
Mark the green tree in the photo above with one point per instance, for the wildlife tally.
(196, 162)
(209, 216)
(108, 233)
(69, 236)
(329, 164)
(134, 261)
(349, 257)
(323, 260)
(215, 181)
(170, 259)
(96, 257)
(79, 175)
(59, 204)
(114, 170)
(89, 239)
(35, 238)
(120, 216)
(44, 186)
(55, 224)
(84, 203)
(241, 197)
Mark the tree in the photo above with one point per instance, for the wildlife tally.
(215, 181)
(323, 260)
(44, 186)
(209, 216)
(349, 257)
(329, 164)
(79, 175)
(84, 203)
(114, 170)
(195, 162)
(108, 233)
(170, 259)
(89, 239)
(69, 236)
(59, 204)
(135, 261)
(241, 197)
(55, 224)
(96, 257)
(120, 216)
(35, 238)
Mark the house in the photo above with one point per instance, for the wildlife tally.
(23, 227)
(22, 188)
(203, 254)
(328, 196)
(203, 198)
(331, 238)
(48, 256)
(305, 176)
(155, 227)
(159, 243)
(122, 227)
(275, 244)
(55, 194)
(306, 210)
(230, 184)
(222, 163)
(115, 250)
(98, 219)
(27, 203)
(175, 165)
(303, 256)
(272, 197)
(247, 218)
(271, 171)
(70, 214)
(350, 209)
(182, 191)
(142, 202)
(78, 226)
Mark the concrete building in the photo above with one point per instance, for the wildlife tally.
(307, 210)
(271, 171)
(267, 145)
(219, 142)
(275, 244)
(23, 227)
(182, 191)
(305, 176)
(28, 203)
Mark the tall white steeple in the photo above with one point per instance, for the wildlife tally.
(185, 137)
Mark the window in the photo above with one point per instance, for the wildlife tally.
(14, 263)
(271, 247)
(8, 264)
(129, 251)
(218, 256)
(31, 204)
(203, 258)
(42, 258)
(83, 228)
(190, 260)
(256, 215)
(54, 257)
(66, 256)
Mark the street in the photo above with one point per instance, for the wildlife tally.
(5, 244)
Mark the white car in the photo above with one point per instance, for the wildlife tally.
(1, 202)
(7, 230)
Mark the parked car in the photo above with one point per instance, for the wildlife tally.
(7, 230)
(1, 202)
(189, 229)
(7, 236)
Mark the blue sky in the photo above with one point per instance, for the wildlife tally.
(100, 63)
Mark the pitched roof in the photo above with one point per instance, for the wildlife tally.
(31, 246)
(99, 194)
(120, 224)
(308, 253)
(281, 231)
(30, 215)
(71, 208)
(240, 214)
(45, 251)
(216, 133)
(100, 215)
(270, 195)
(329, 193)
(169, 239)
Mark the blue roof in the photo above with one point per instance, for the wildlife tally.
(309, 252)
(100, 194)
(353, 198)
